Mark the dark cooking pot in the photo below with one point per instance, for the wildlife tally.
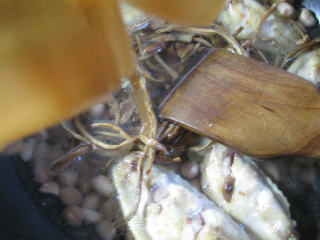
(21, 218)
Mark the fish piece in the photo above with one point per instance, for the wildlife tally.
(241, 189)
(248, 14)
(307, 66)
(170, 208)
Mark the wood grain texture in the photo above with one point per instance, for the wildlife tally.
(252, 107)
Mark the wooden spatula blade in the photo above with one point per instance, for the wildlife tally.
(255, 108)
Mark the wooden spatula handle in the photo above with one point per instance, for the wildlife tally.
(255, 108)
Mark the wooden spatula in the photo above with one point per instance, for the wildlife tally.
(255, 108)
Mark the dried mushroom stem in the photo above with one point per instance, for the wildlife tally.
(112, 127)
(142, 100)
(194, 49)
(91, 142)
(201, 147)
(162, 126)
(173, 133)
(169, 132)
(106, 134)
(261, 55)
(147, 134)
(100, 144)
(263, 19)
(139, 187)
(67, 157)
(143, 58)
(72, 132)
(127, 112)
(169, 28)
(165, 66)
(304, 40)
(216, 31)
(273, 42)
(149, 120)
(138, 41)
(236, 34)
(147, 75)
(297, 27)
(84, 147)
(115, 108)
(152, 67)
(300, 49)
(203, 42)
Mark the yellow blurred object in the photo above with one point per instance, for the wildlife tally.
(56, 59)
(194, 12)
(59, 57)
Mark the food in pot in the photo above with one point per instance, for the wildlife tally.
(169, 208)
(236, 184)
(111, 136)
